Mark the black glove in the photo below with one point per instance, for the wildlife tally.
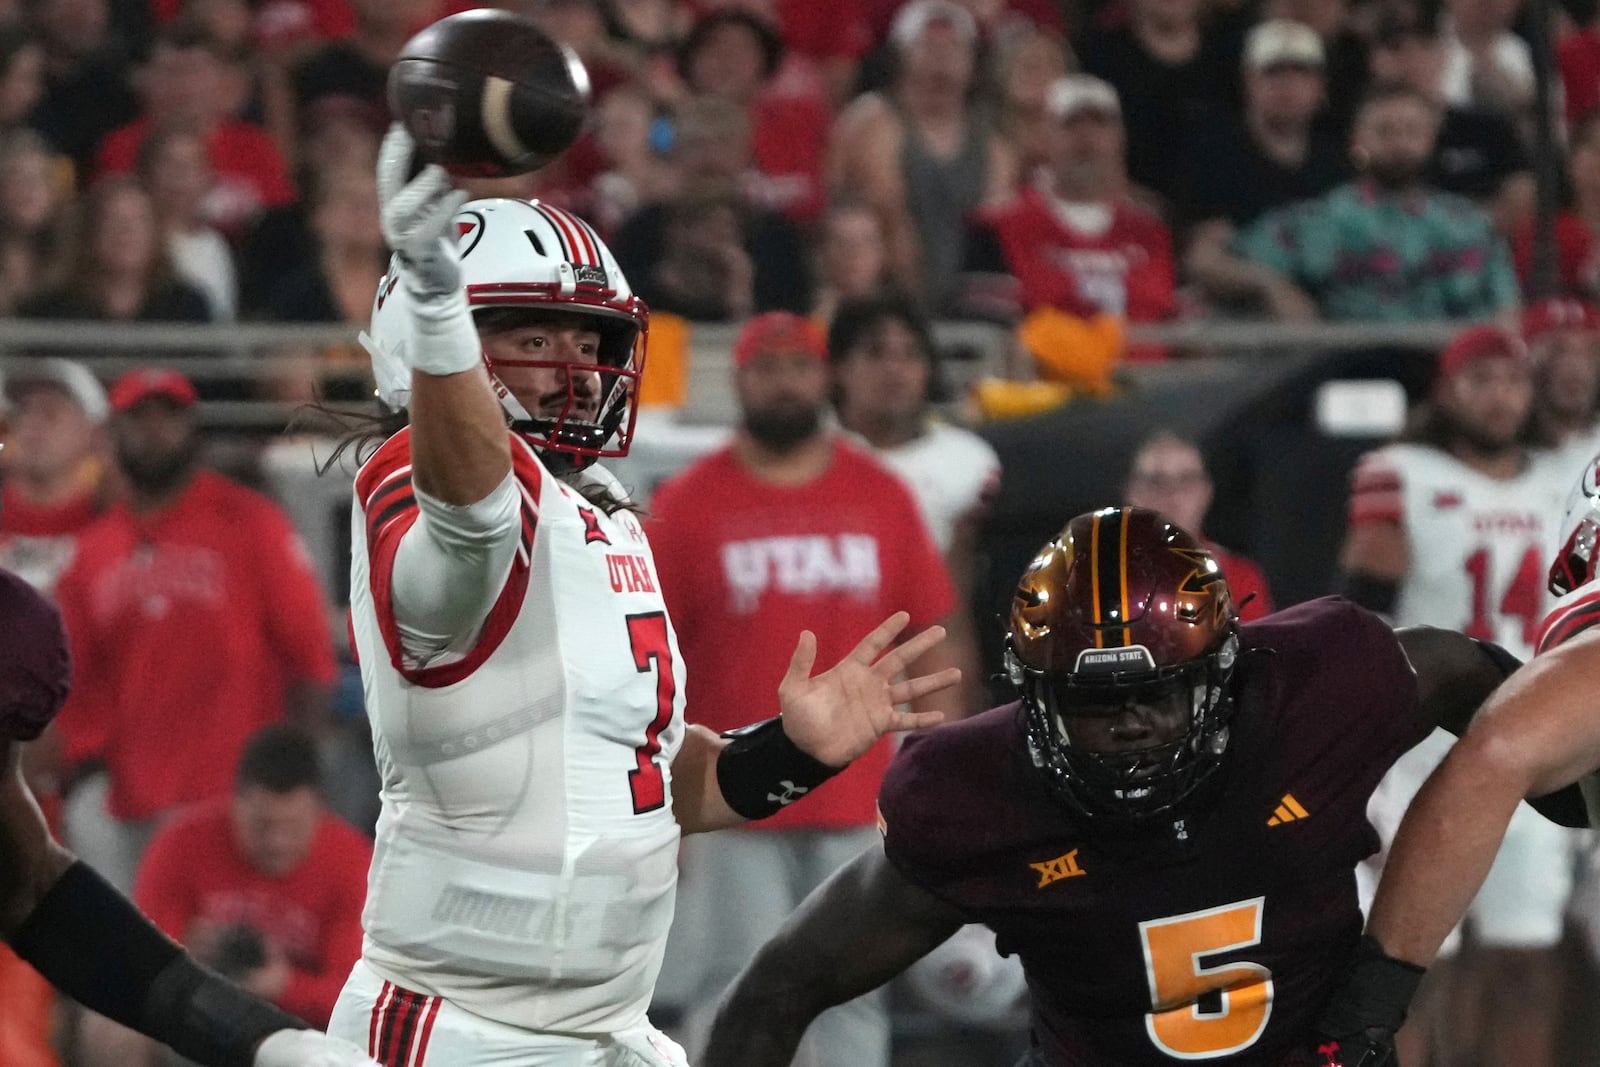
(1358, 1024)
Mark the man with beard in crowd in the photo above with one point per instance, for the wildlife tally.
(789, 526)
(196, 617)
(1386, 247)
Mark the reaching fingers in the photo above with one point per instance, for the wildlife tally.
(913, 688)
(872, 645)
(394, 161)
(915, 720)
(435, 219)
(804, 658)
(910, 651)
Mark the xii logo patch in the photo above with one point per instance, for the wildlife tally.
(592, 532)
(1065, 866)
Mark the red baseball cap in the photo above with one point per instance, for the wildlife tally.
(1559, 313)
(779, 331)
(1486, 341)
(143, 383)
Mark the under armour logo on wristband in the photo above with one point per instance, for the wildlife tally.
(790, 794)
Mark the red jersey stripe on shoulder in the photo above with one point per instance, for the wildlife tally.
(383, 464)
(1568, 621)
(526, 466)
(379, 1006)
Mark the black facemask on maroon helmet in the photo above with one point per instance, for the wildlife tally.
(1124, 619)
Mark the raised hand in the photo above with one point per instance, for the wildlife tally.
(418, 217)
(837, 715)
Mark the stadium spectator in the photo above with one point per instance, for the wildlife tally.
(887, 375)
(1486, 65)
(635, 171)
(55, 468)
(1563, 337)
(922, 153)
(852, 263)
(36, 210)
(1578, 60)
(1344, 50)
(21, 76)
(87, 92)
(1025, 62)
(173, 165)
(1078, 243)
(356, 66)
(188, 80)
(195, 617)
(1452, 527)
(1577, 257)
(1274, 154)
(790, 522)
(708, 253)
(1166, 64)
(120, 269)
(831, 37)
(267, 869)
(336, 283)
(734, 55)
(1386, 247)
(1168, 475)
(1477, 153)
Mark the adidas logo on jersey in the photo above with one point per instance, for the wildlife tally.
(1288, 810)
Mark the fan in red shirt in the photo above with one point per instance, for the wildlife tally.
(266, 886)
(789, 527)
(185, 82)
(1169, 475)
(195, 618)
(53, 485)
(1081, 245)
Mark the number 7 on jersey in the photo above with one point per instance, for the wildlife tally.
(647, 637)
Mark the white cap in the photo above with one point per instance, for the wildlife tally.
(1080, 92)
(1282, 42)
(73, 378)
(915, 18)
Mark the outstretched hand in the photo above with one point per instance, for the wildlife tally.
(837, 715)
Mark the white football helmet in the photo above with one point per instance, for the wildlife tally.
(1578, 551)
(522, 253)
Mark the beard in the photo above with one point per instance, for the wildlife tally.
(156, 473)
(1396, 174)
(783, 428)
(1485, 442)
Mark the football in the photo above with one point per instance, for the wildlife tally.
(487, 94)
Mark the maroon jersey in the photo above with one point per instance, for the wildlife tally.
(1214, 932)
(34, 668)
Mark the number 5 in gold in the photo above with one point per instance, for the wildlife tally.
(1178, 1024)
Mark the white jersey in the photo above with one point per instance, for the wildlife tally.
(1479, 553)
(526, 856)
(950, 471)
(1479, 546)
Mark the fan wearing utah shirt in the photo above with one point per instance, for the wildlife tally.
(521, 674)
(1451, 528)
(791, 522)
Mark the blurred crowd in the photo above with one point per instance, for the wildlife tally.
(827, 176)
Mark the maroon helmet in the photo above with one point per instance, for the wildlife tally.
(1124, 611)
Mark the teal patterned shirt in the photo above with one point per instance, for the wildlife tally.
(1363, 254)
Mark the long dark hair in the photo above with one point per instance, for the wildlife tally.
(360, 434)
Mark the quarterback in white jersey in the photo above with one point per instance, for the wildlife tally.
(521, 674)
(1455, 530)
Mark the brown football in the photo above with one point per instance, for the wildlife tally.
(487, 94)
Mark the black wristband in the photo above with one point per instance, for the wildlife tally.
(1375, 992)
(1370, 591)
(760, 771)
(90, 942)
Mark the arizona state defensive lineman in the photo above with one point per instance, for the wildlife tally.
(1164, 829)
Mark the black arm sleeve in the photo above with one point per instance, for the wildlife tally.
(90, 942)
